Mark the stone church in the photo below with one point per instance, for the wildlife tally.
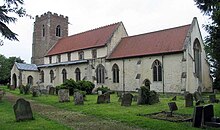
(171, 60)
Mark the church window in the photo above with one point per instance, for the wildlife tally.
(197, 58)
(51, 76)
(30, 80)
(64, 73)
(81, 55)
(43, 31)
(78, 74)
(100, 74)
(69, 56)
(58, 33)
(115, 73)
(42, 76)
(58, 58)
(50, 59)
(94, 53)
(157, 71)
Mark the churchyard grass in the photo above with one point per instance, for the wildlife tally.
(128, 115)
(8, 122)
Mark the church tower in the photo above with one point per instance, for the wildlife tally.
(48, 29)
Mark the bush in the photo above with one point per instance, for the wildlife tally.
(103, 89)
(25, 89)
(86, 86)
(69, 84)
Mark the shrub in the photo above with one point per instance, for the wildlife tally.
(26, 88)
(69, 84)
(103, 89)
(86, 86)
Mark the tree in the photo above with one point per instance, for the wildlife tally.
(211, 8)
(6, 65)
(14, 8)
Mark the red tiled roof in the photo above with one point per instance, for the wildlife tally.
(89, 39)
(164, 41)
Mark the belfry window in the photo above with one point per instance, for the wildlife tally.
(157, 71)
(58, 31)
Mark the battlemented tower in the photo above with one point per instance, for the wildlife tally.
(48, 29)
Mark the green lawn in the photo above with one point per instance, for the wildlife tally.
(128, 115)
(8, 122)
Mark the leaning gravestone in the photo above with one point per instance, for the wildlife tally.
(173, 107)
(126, 99)
(78, 98)
(197, 116)
(198, 97)
(51, 90)
(188, 100)
(63, 95)
(22, 110)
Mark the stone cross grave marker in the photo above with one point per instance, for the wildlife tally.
(188, 100)
(173, 107)
(22, 110)
(78, 98)
(63, 95)
(127, 99)
(197, 116)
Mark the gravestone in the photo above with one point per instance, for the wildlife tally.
(99, 92)
(153, 98)
(44, 91)
(22, 110)
(126, 99)
(52, 90)
(78, 98)
(188, 100)
(208, 117)
(104, 98)
(197, 116)
(173, 107)
(212, 98)
(35, 91)
(198, 97)
(143, 93)
(63, 95)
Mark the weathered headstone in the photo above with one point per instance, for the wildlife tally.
(188, 100)
(173, 107)
(104, 98)
(78, 98)
(126, 99)
(198, 97)
(22, 110)
(35, 91)
(99, 92)
(208, 117)
(63, 95)
(51, 90)
(212, 98)
(197, 116)
(44, 91)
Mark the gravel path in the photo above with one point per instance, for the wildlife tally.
(72, 119)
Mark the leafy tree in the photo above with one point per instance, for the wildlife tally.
(6, 65)
(13, 8)
(211, 8)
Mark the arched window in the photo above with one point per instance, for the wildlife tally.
(43, 31)
(100, 74)
(157, 71)
(42, 76)
(78, 74)
(197, 58)
(51, 76)
(64, 75)
(58, 33)
(115, 73)
(30, 80)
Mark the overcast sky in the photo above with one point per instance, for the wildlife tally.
(138, 16)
